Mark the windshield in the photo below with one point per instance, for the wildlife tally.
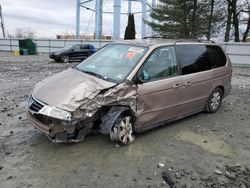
(113, 62)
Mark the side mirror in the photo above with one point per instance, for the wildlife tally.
(139, 79)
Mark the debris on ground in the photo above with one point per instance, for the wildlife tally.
(235, 176)
(217, 171)
(9, 177)
(168, 177)
(160, 165)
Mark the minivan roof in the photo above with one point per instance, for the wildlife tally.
(153, 41)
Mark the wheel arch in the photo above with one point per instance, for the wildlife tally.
(222, 89)
(109, 118)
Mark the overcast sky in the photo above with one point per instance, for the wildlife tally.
(50, 17)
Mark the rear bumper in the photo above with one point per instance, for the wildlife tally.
(58, 133)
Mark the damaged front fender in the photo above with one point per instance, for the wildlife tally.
(120, 95)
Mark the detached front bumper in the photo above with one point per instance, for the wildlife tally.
(57, 132)
(55, 57)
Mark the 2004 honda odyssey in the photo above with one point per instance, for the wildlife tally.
(129, 87)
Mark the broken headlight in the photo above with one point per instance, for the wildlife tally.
(55, 113)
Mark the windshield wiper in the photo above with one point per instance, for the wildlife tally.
(97, 75)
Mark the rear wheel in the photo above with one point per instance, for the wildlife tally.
(122, 130)
(214, 101)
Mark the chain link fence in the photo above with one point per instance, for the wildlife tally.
(239, 53)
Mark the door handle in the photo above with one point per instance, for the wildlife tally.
(176, 86)
(188, 83)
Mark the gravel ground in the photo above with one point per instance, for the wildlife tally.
(205, 150)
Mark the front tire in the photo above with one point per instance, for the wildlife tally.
(65, 59)
(214, 101)
(122, 130)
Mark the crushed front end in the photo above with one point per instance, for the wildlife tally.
(57, 124)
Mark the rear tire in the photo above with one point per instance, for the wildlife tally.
(214, 101)
(122, 130)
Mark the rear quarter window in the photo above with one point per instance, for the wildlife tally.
(216, 56)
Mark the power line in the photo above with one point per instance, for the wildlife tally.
(88, 23)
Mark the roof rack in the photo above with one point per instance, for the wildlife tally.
(152, 37)
(180, 40)
(201, 40)
(194, 40)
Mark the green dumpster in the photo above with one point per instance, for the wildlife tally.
(27, 47)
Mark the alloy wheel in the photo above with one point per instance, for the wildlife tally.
(123, 132)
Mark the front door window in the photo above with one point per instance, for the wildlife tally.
(161, 64)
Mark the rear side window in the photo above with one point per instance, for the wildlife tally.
(197, 58)
(216, 56)
(193, 58)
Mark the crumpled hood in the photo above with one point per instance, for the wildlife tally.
(69, 89)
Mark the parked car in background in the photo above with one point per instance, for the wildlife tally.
(129, 87)
(77, 52)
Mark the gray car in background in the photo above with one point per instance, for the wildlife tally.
(129, 87)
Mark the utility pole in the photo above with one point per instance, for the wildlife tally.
(78, 5)
(98, 19)
(2, 24)
(117, 19)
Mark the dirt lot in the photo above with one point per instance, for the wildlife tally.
(205, 150)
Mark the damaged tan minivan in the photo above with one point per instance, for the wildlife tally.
(129, 87)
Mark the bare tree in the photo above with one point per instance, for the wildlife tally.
(236, 14)
(24, 32)
(193, 19)
(210, 20)
(247, 21)
(229, 20)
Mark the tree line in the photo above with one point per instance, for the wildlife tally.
(227, 19)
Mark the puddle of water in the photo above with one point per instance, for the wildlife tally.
(207, 142)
